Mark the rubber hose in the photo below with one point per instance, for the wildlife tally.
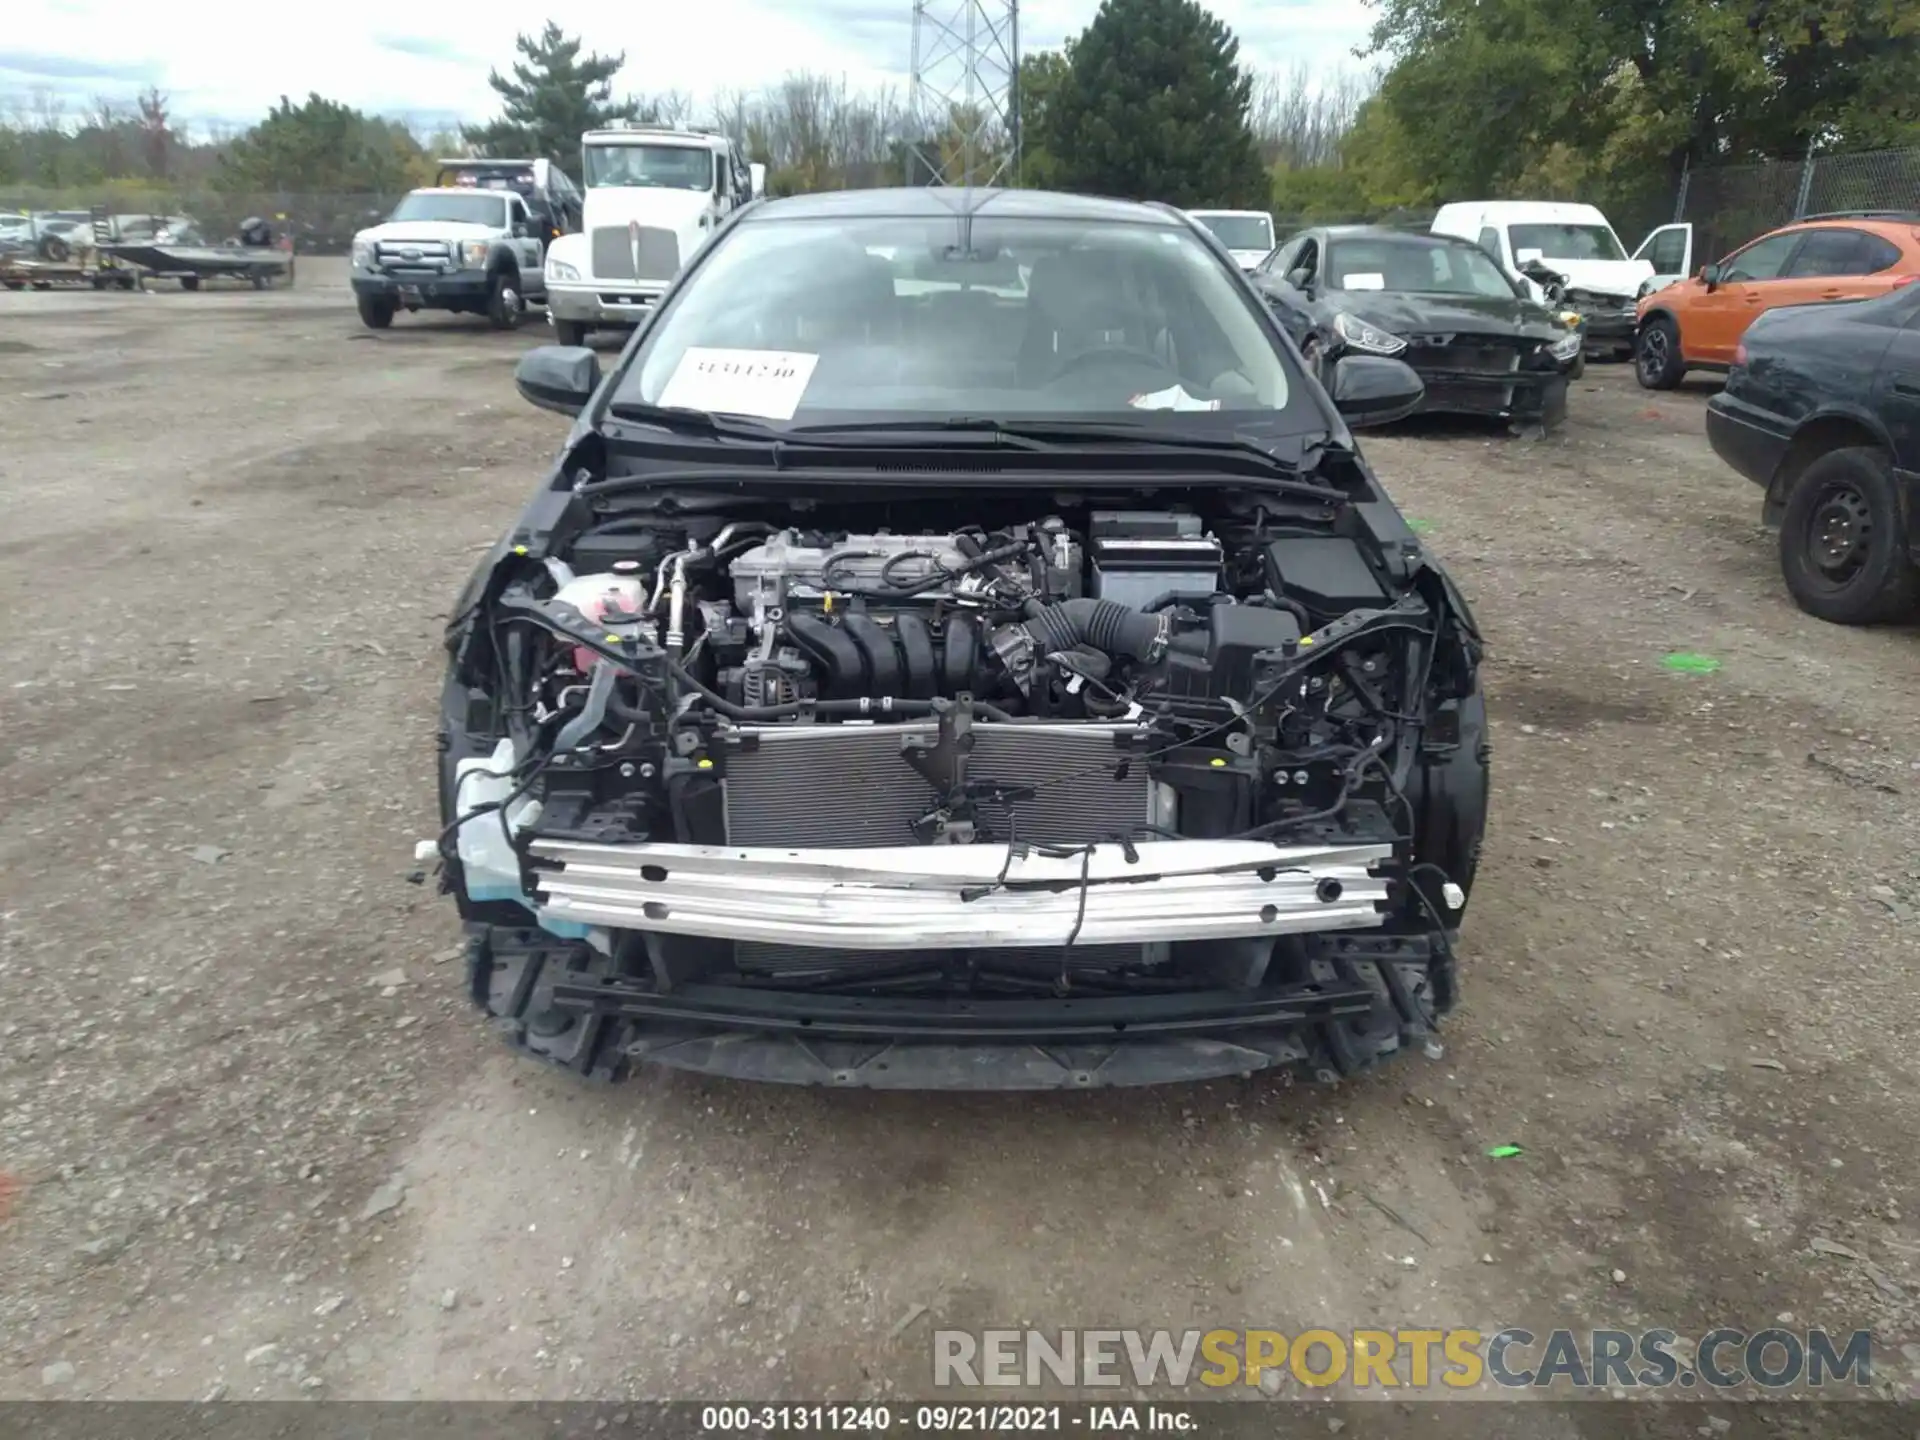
(592, 714)
(832, 651)
(960, 655)
(1106, 625)
(916, 650)
(882, 656)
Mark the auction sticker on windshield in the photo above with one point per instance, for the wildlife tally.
(1174, 397)
(1365, 280)
(766, 383)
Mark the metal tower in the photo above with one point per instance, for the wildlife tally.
(964, 104)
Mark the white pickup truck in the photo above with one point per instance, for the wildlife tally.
(654, 196)
(473, 244)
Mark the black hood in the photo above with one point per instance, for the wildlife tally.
(1402, 312)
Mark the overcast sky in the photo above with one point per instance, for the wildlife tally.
(396, 60)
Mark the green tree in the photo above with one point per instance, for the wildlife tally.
(321, 147)
(1153, 105)
(554, 94)
(1041, 76)
(1490, 95)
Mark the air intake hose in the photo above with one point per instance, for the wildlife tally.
(1104, 625)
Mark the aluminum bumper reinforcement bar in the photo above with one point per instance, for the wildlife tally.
(941, 896)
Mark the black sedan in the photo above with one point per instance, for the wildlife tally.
(1441, 304)
(958, 647)
(1822, 409)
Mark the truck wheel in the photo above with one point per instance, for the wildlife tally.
(376, 311)
(1657, 361)
(1843, 543)
(570, 332)
(189, 282)
(505, 305)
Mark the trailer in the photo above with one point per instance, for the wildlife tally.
(175, 251)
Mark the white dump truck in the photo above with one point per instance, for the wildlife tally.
(654, 196)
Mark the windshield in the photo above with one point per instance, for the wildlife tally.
(1415, 265)
(662, 167)
(818, 321)
(1241, 232)
(461, 209)
(1566, 242)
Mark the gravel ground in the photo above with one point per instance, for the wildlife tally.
(255, 1143)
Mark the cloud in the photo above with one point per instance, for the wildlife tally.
(29, 66)
(424, 47)
(114, 47)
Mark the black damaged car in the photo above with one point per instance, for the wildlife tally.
(959, 646)
(1442, 304)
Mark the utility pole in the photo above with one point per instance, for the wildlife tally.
(964, 100)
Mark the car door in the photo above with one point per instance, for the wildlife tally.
(525, 243)
(1840, 263)
(1748, 282)
(1290, 304)
(1897, 394)
(1669, 250)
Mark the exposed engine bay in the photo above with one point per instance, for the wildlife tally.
(973, 746)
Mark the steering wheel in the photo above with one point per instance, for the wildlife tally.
(1107, 355)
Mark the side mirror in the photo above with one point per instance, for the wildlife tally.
(519, 229)
(759, 175)
(1375, 390)
(1710, 275)
(1300, 277)
(561, 378)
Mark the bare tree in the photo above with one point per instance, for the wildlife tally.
(1301, 115)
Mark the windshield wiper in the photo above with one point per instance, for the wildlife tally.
(694, 422)
(1067, 435)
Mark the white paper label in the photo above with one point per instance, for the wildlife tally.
(1365, 280)
(1174, 397)
(766, 383)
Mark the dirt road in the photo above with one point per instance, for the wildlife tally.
(256, 1143)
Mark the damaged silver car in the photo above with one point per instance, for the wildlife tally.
(960, 645)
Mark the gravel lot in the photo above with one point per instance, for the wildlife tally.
(256, 1143)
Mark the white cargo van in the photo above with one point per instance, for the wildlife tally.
(1247, 234)
(1577, 241)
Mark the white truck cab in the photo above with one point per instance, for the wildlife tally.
(654, 196)
(1247, 234)
(1603, 282)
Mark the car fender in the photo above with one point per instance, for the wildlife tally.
(1831, 426)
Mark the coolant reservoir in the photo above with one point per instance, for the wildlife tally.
(620, 590)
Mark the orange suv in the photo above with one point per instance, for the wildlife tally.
(1697, 324)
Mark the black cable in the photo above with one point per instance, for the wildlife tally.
(886, 568)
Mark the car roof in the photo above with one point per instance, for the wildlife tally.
(909, 202)
(1389, 232)
(1525, 210)
(1890, 227)
(460, 190)
(1250, 214)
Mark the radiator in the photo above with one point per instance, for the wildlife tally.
(842, 786)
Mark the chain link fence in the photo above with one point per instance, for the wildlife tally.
(1727, 204)
(1730, 204)
(319, 224)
